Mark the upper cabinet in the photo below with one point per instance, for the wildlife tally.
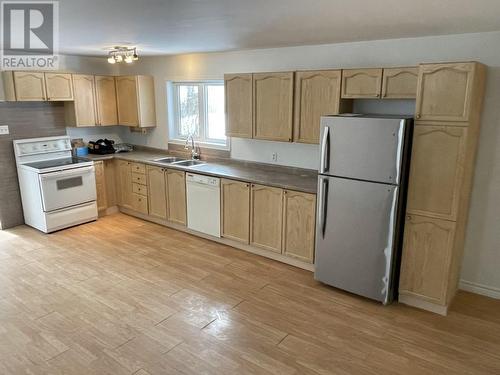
(317, 93)
(29, 86)
(444, 91)
(82, 111)
(399, 83)
(59, 86)
(361, 83)
(105, 98)
(136, 101)
(273, 106)
(238, 92)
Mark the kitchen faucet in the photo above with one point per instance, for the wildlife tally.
(195, 155)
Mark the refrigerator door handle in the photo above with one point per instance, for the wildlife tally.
(323, 204)
(325, 151)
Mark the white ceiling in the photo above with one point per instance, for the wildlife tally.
(90, 27)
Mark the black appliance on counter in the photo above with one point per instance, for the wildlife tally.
(101, 147)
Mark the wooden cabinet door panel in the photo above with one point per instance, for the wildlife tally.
(100, 185)
(59, 86)
(84, 105)
(176, 196)
(299, 218)
(444, 92)
(273, 106)
(238, 92)
(157, 192)
(30, 86)
(361, 83)
(266, 217)
(125, 184)
(110, 182)
(437, 170)
(126, 96)
(428, 245)
(317, 93)
(235, 209)
(105, 89)
(399, 83)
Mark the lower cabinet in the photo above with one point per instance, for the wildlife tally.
(100, 186)
(427, 251)
(157, 192)
(124, 184)
(235, 210)
(299, 219)
(176, 196)
(266, 216)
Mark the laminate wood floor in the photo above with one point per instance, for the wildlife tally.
(124, 296)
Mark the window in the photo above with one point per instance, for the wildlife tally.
(198, 109)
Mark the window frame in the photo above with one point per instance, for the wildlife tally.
(202, 138)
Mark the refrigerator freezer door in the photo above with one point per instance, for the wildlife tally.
(362, 148)
(355, 236)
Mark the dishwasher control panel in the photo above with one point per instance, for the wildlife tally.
(202, 179)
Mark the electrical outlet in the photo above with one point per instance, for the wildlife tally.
(275, 156)
(4, 129)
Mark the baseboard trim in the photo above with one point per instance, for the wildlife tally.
(424, 305)
(481, 289)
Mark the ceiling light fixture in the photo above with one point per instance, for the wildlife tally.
(119, 54)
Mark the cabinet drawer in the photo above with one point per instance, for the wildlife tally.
(139, 178)
(140, 203)
(138, 168)
(139, 189)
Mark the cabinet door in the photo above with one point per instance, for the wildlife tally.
(444, 91)
(157, 192)
(110, 182)
(30, 86)
(238, 91)
(361, 83)
(126, 97)
(100, 186)
(317, 93)
(59, 86)
(428, 244)
(125, 184)
(299, 218)
(272, 106)
(266, 217)
(436, 171)
(176, 196)
(399, 83)
(235, 209)
(84, 105)
(105, 90)
(146, 104)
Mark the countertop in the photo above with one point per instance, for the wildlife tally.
(298, 179)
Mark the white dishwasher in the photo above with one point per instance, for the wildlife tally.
(203, 203)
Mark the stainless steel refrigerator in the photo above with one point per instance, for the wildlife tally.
(361, 198)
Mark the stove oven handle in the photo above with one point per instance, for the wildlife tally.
(67, 173)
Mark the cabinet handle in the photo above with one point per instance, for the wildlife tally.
(418, 115)
(408, 217)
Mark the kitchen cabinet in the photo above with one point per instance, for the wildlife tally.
(299, 223)
(136, 101)
(235, 210)
(437, 170)
(105, 99)
(157, 192)
(399, 83)
(124, 182)
(176, 196)
(29, 86)
(59, 86)
(82, 111)
(427, 250)
(109, 167)
(445, 91)
(273, 106)
(361, 83)
(100, 182)
(266, 217)
(317, 93)
(238, 95)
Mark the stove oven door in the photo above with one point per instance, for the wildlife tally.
(66, 188)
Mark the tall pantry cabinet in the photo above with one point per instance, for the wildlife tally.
(448, 107)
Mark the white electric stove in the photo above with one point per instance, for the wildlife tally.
(57, 190)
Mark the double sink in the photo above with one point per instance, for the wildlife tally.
(174, 160)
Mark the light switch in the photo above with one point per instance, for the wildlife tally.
(4, 129)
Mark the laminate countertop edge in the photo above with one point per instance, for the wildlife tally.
(297, 179)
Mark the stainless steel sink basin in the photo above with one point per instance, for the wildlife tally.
(189, 163)
(170, 159)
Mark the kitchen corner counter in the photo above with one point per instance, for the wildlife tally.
(299, 179)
